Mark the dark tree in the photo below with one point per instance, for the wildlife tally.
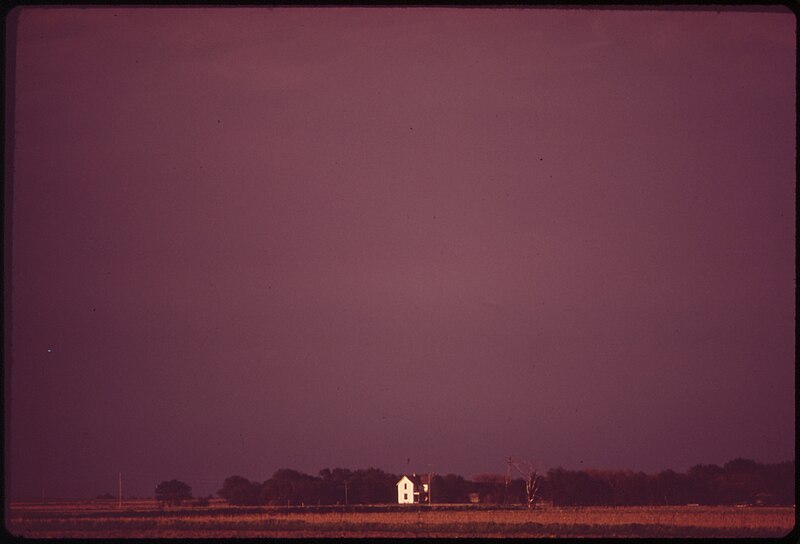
(373, 486)
(704, 483)
(450, 489)
(779, 480)
(240, 491)
(173, 492)
(289, 486)
(490, 487)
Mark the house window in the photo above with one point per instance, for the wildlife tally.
(405, 496)
(405, 486)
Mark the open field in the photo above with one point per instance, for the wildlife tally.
(144, 519)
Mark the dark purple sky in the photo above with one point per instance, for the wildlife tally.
(249, 239)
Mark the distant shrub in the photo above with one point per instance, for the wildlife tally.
(172, 492)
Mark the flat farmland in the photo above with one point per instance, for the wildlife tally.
(144, 519)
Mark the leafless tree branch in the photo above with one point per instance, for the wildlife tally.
(530, 476)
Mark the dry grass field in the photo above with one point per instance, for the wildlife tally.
(144, 519)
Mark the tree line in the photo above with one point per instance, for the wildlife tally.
(737, 481)
(740, 481)
(337, 486)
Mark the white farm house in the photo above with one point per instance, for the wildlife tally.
(410, 489)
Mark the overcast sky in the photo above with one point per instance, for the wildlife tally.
(248, 239)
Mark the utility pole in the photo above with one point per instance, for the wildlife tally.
(120, 490)
(508, 477)
(430, 485)
(345, 492)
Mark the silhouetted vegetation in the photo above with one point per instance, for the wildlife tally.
(741, 481)
(290, 487)
(738, 481)
(240, 491)
(172, 493)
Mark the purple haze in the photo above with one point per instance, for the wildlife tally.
(248, 239)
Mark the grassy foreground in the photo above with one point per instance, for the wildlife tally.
(144, 519)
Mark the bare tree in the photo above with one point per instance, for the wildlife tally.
(531, 477)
